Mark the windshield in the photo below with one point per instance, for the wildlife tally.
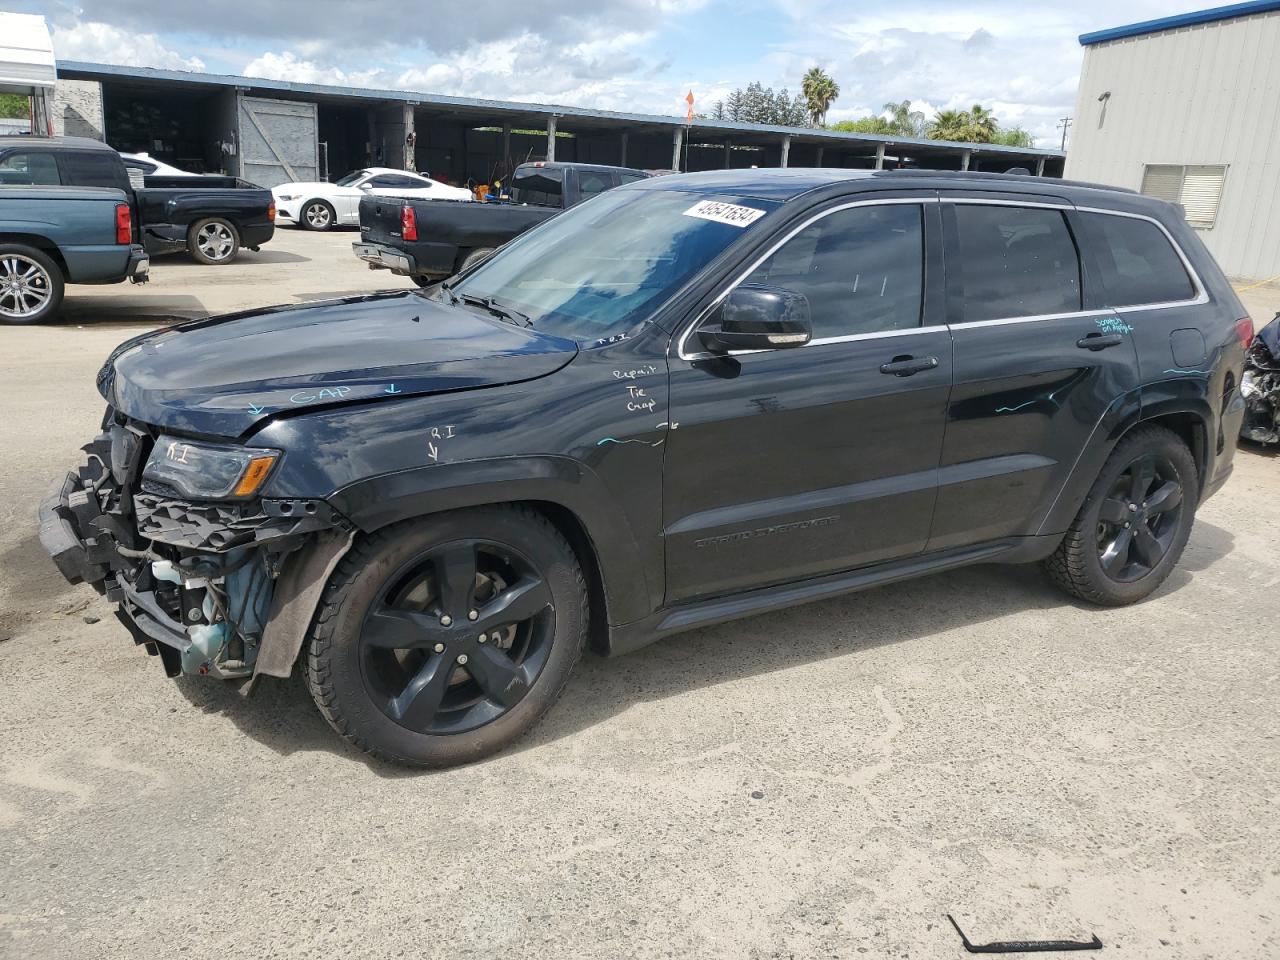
(351, 178)
(600, 268)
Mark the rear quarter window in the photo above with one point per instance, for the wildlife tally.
(1135, 262)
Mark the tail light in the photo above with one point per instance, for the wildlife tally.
(1244, 330)
(409, 223)
(124, 224)
(271, 211)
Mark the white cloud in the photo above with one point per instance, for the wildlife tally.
(289, 66)
(103, 43)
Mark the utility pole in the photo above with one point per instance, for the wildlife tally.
(1064, 123)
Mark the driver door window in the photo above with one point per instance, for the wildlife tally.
(861, 269)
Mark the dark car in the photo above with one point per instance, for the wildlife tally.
(209, 217)
(431, 240)
(691, 399)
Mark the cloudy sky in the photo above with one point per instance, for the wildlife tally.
(635, 55)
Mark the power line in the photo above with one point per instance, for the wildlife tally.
(1064, 123)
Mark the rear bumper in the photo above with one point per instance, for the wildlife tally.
(386, 258)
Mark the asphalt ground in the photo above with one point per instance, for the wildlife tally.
(827, 781)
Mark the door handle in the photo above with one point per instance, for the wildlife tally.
(905, 366)
(1100, 341)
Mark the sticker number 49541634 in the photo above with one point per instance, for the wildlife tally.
(730, 213)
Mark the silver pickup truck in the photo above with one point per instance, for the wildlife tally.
(52, 236)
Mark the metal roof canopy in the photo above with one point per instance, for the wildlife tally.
(481, 112)
(26, 54)
(1212, 15)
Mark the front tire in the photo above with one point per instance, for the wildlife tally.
(213, 241)
(440, 641)
(1133, 526)
(31, 284)
(318, 215)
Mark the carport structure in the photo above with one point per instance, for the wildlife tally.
(273, 131)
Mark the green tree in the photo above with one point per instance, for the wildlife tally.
(759, 104)
(904, 121)
(1014, 137)
(820, 91)
(949, 125)
(877, 125)
(982, 124)
(14, 106)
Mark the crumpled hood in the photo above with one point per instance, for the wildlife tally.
(225, 375)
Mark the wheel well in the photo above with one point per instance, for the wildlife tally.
(572, 529)
(43, 244)
(1191, 429)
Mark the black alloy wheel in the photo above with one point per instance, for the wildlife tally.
(1132, 527)
(457, 637)
(441, 640)
(1138, 521)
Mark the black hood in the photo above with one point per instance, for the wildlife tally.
(224, 375)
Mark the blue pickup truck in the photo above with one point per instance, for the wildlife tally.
(52, 236)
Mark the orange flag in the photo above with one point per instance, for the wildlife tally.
(688, 116)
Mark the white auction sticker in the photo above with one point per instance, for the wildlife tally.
(730, 213)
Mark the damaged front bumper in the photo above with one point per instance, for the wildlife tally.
(212, 588)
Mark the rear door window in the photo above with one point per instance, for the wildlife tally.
(1135, 261)
(1011, 261)
(96, 168)
(29, 169)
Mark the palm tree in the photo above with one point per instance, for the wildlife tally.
(982, 124)
(820, 91)
(903, 120)
(949, 125)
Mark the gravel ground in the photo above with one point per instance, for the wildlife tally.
(824, 782)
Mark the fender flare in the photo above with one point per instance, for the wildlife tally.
(629, 588)
(1138, 406)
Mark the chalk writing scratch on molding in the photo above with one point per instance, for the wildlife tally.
(1113, 325)
(392, 389)
(255, 409)
(638, 372)
(1203, 373)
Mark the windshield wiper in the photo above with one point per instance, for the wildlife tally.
(497, 309)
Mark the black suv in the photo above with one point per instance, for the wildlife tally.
(687, 400)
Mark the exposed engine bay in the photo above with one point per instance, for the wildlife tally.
(195, 580)
(1260, 386)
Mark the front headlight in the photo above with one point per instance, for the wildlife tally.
(207, 472)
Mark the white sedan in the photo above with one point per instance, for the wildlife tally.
(319, 206)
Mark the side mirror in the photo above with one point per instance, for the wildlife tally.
(366, 187)
(756, 317)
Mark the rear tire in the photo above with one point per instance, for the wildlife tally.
(213, 241)
(1133, 526)
(395, 661)
(31, 284)
(474, 257)
(317, 215)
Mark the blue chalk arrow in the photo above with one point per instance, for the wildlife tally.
(255, 409)
(392, 389)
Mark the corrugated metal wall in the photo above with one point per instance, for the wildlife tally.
(1207, 94)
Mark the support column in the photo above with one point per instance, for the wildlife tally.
(677, 138)
(964, 159)
(506, 146)
(880, 156)
(726, 154)
(551, 139)
(410, 139)
(622, 162)
(786, 149)
(1040, 167)
(818, 162)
